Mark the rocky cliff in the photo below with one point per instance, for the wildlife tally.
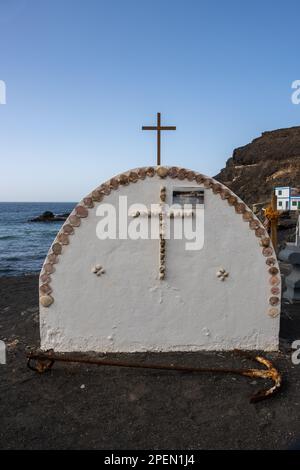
(270, 160)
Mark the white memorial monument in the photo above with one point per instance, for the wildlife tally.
(119, 277)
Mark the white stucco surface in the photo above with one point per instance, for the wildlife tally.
(129, 309)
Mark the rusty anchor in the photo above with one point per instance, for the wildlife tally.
(45, 360)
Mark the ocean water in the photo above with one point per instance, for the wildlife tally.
(23, 244)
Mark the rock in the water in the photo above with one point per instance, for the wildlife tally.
(48, 216)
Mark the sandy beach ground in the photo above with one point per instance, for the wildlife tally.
(90, 407)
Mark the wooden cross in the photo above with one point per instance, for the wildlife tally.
(158, 128)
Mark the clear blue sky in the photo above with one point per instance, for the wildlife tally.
(83, 76)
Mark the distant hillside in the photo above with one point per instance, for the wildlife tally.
(270, 160)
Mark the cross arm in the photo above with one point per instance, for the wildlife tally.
(159, 128)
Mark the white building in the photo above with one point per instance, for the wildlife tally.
(287, 198)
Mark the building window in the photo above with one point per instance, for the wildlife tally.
(280, 203)
(279, 192)
(294, 203)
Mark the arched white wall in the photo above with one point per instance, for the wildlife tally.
(129, 309)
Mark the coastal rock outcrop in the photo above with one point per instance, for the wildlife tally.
(273, 159)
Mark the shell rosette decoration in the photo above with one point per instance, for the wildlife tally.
(222, 274)
(98, 270)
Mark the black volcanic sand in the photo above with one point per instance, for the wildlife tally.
(90, 407)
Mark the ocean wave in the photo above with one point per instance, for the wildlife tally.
(8, 237)
(13, 258)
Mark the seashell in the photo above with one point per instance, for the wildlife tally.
(190, 175)
(181, 174)
(240, 208)
(105, 189)
(57, 248)
(161, 275)
(141, 173)
(178, 213)
(133, 177)
(232, 200)
(74, 220)
(267, 251)
(52, 258)
(260, 232)
(208, 183)
(188, 212)
(275, 290)
(162, 171)
(273, 312)
(45, 289)
(150, 171)
(163, 197)
(114, 183)
(49, 268)
(123, 179)
(247, 216)
(265, 242)
(63, 238)
(219, 273)
(45, 278)
(97, 195)
(88, 202)
(162, 269)
(273, 270)
(274, 281)
(98, 267)
(46, 300)
(254, 224)
(81, 211)
(200, 179)
(68, 229)
(225, 194)
(94, 270)
(173, 172)
(217, 188)
(270, 261)
(274, 301)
